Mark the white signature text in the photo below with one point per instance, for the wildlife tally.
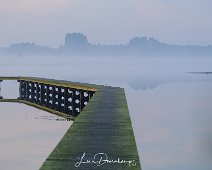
(100, 159)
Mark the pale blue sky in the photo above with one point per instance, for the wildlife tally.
(105, 21)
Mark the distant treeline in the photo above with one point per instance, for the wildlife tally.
(76, 44)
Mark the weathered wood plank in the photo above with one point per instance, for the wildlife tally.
(104, 126)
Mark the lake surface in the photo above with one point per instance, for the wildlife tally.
(171, 110)
(172, 125)
(27, 136)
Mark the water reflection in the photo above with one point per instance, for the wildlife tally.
(57, 118)
(172, 125)
(170, 109)
(28, 136)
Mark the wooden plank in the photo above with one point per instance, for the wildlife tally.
(104, 126)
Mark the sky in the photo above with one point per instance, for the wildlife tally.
(105, 21)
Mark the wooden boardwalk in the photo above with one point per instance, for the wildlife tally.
(101, 137)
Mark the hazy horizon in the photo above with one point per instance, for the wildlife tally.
(106, 21)
(111, 44)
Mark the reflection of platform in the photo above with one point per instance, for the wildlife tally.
(103, 128)
(52, 111)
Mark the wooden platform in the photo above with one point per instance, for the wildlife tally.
(102, 133)
(101, 136)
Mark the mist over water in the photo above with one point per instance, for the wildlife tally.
(170, 109)
(138, 72)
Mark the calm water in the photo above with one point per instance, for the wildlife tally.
(172, 124)
(27, 136)
(170, 109)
